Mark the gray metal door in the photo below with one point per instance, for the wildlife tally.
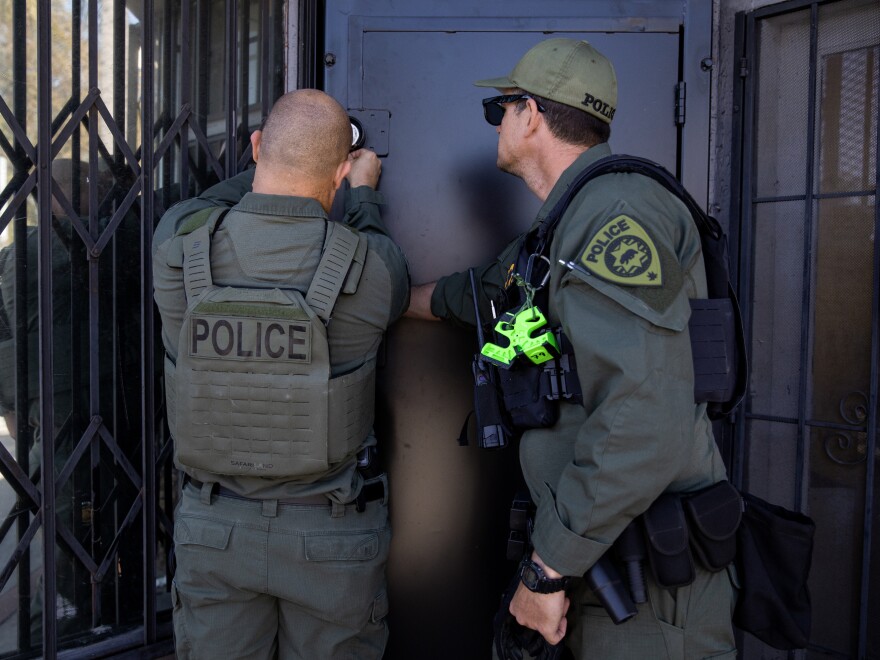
(407, 75)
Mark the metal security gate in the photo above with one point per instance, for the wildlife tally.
(810, 284)
(109, 113)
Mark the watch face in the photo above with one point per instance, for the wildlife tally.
(529, 577)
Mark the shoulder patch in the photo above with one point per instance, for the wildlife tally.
(622, 252)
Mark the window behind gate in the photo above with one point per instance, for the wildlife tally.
(810, 265)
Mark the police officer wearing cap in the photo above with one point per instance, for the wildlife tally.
(625, 258)
(272, 316)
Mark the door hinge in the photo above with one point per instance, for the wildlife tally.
(743, 67)
(680, 100)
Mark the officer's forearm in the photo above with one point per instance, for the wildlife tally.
(553, 574)
(420, 302)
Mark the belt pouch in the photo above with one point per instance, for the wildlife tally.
(714, 515)
(524, 398)
(666, 534)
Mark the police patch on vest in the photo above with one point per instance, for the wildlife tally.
(237, 338)
(623, 253)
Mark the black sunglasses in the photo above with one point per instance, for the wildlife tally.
(494, 111)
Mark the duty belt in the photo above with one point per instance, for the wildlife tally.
(370, 492)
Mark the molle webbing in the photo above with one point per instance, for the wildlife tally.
(197, 252)
(340, 247)
(255, 392)
(252, 391)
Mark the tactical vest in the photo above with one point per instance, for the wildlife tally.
(512, 394)
(715, 326)
(251, 392)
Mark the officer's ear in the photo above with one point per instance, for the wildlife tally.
(535, 119)
(256, 140)
(342, 171)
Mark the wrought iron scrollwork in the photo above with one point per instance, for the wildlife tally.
(847, 447)
(854, 408)
(850, 447)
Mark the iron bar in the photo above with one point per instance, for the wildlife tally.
(120, 458)
(124, 153)
(119, 60)
(20, 554)
(874, 392)
(203, 140)
(70, 541)
(813, 423)
(23, 146)
(166, 166)
(79, 451)
(242, 81)
(12, 470)
(815, 196)
(203, 84)
(747, 229)
(147, 332)
(17, 212)
(807, 275)
(109, 232)
(112, 548)
(10, 520)
(185, 95)
(172, 131)
(46, 321)
(265, 60)
(231, 86)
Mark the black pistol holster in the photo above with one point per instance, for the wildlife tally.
(531, 392)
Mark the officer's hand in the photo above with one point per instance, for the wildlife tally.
(365, 168)
(542, 612)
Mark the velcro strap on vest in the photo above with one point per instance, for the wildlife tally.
(340, 247)
(197, 256)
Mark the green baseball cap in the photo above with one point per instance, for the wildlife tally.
(568, 71)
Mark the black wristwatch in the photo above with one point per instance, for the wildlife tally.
(534, 578)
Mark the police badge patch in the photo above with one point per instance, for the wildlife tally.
(622, 252)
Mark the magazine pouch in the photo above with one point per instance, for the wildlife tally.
(714, 515)
(666, 534)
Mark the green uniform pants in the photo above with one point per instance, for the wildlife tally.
(688, 623)
(268, 580)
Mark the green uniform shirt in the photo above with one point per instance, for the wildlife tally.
(277, 240)
(625, 309)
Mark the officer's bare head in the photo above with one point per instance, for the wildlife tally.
(304, 142)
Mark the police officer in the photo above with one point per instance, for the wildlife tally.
(272, 316)
(633, 260)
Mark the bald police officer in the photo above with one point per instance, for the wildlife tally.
(272, 316)
(638, 433)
